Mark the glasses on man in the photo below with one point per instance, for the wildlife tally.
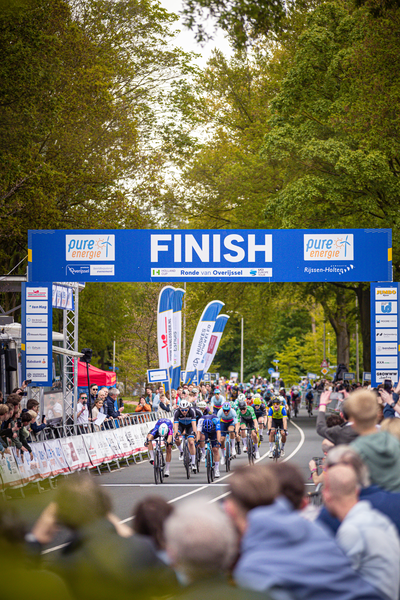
(84, 397)
(227, 410)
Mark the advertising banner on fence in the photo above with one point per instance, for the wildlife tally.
(177, 338)
(215, 339)
(124, 446)
(57, 461)
(165, 328)
(70, 453)
(10, 474)
(37, 332)
(201, 339)
(210, 255)
(28, 468)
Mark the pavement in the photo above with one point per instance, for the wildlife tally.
(129, 485)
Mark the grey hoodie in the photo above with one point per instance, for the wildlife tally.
(381, 453)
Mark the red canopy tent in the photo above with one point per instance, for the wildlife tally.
(96, 375)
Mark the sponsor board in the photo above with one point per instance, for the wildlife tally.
(335, 246)
(382, 375)
(386, 293)
(383, 321)
(37, 320)
(386, 308)
(90, 247)
(221, 273)
(157, 375)
(37, 293)
(386, 335)
(386, 349)
(37, 334)
(102, 270)
(34, 361)
(386, 362)
(37, 375)
(37, 307)
(36, 348)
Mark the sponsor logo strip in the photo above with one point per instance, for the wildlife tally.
(329, 246)
(223, 273)
(90, 247)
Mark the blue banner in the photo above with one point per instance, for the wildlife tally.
(211, 255)
(385, 333)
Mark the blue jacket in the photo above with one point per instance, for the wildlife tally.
(109, 409)
(282, 550)
(386, 502)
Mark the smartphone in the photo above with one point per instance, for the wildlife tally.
(334, 396)
(27, 381)
(43, 418)
(387, 385)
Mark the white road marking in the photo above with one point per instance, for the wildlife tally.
(157, 486)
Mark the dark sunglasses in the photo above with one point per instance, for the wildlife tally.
(227, 409)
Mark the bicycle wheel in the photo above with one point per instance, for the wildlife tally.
(238, 447)
(209, 465)
(161, 465)
(156, 467)
(198, 457)
(227, 455)
(250, 450)
(277, 450)
(186, 459)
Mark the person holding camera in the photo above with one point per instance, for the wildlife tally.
(338, 434)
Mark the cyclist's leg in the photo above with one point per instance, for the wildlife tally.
(231, 430)
(261, 427)
(283, 440)
(192, 448)
(149, 443)
(215, 451)
(271, 440)
(179, 440)
(243, 434)
(254, 437)
(168, 453)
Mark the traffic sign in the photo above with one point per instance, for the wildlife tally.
(271, 370)
(324, 364)
(324, 371)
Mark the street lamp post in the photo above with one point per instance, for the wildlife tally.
(234, 312)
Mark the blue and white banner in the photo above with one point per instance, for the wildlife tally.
(385, 332)
(177, 338)
(201, 339)
(165, 328)
(157, 376)
(211, 255)
(215, 339)
(37, 333)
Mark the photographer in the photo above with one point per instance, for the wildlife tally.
(389, 399)
(339, 434)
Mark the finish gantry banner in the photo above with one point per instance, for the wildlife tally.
(292, 255)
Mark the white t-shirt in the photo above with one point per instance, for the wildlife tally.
(84, 417)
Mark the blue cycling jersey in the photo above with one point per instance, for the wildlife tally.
(184, 418)
(230, 417)
(212, 418)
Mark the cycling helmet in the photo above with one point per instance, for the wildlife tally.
(276, 400)
(226, 406)
(184, 404)
(217, 391)
(241, 397)
(202, 404)
(257, 395)
(257, 401)
(163, 430)
(242, 404)
(208, 425)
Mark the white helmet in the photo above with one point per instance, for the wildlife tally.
(202, 404)
(163, 430)
(184, 404)
(241, 397)
(257, 395)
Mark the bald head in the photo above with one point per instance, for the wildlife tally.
(341, 490)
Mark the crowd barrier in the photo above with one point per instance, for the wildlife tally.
(70, 448)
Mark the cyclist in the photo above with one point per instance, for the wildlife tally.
(277, 419)
(217, 401)
(309, 402)
(209, 428)
(295, 398)
(185, 423)
(249, 398)
(162, 429)
(247, 420)
(229, 424)
(203, 407)
(260, 412)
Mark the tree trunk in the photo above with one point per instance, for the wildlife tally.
(364, 303)
(338, 320)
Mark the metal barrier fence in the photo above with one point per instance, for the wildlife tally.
(316, 394)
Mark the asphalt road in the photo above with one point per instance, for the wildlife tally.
(129, 485)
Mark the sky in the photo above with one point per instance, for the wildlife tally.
(186, 38)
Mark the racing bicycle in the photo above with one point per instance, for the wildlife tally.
(277, 445)
(251, 446)
(210, 465)
(159, 462)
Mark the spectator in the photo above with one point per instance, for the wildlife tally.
(386, 502)
(97, 409)
(149, 518)
(4, 411)
(98, 563)
(378, 449)
(332, 420)
(164, 404)
(142, 406)
(317, 479)
(149, 396)
(55, 409)
(271, 527)
(109, 404)
(157, 398)
(202, 549)
(33, 404)
(339, 434)
(391, 426)
(94, 388)
(113, 392)
(368, 537)
(82, 413)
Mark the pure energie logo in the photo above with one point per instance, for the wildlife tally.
(327, 246)
(90, 247)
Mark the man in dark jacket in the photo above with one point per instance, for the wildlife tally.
(109, 405)
(339, 434)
